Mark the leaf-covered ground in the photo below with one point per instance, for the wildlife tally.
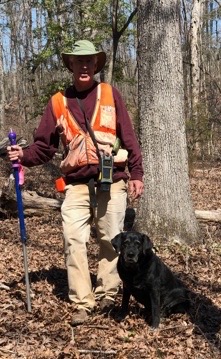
(46, 331)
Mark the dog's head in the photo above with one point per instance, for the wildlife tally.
(132, 245)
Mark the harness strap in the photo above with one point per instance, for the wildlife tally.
(92, 193)
(88, 126)
(91, 186)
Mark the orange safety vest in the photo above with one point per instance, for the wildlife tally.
(81, 149)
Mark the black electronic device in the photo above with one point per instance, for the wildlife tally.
(106, 172)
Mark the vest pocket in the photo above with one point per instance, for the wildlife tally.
(108, 117)
(80, 153)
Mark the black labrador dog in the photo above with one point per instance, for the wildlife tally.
(147, 278)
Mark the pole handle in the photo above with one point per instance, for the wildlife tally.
(12, 138)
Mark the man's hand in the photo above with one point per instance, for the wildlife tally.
(135, 189)
(15, 153)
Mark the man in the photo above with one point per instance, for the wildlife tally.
(86, 198)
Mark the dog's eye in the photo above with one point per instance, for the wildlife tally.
(137, 243)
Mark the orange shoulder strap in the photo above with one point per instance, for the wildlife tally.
(107, 97)
(58, 104)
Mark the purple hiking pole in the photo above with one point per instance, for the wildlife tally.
(15, 166)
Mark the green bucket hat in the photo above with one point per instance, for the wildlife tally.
(82, 48)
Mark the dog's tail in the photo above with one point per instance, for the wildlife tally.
(177, 301)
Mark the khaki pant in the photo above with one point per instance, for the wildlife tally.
(77, 217)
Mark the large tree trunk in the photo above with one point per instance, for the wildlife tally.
(165, 210)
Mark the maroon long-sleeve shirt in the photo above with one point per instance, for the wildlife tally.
(46, 139)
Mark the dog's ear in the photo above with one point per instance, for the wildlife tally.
(116, 242)
(147, 244)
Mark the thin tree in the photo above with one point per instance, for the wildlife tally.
(2, 90)
(116, 35)
(165, 210)
(195, 46)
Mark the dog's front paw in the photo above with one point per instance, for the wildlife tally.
(121, 315)
(154, 324)
(153, 329)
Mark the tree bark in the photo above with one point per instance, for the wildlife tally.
(165, 210)
(213, 215)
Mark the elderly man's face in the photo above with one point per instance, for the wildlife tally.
(83, 70)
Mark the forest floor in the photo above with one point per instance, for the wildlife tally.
(46, 332)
